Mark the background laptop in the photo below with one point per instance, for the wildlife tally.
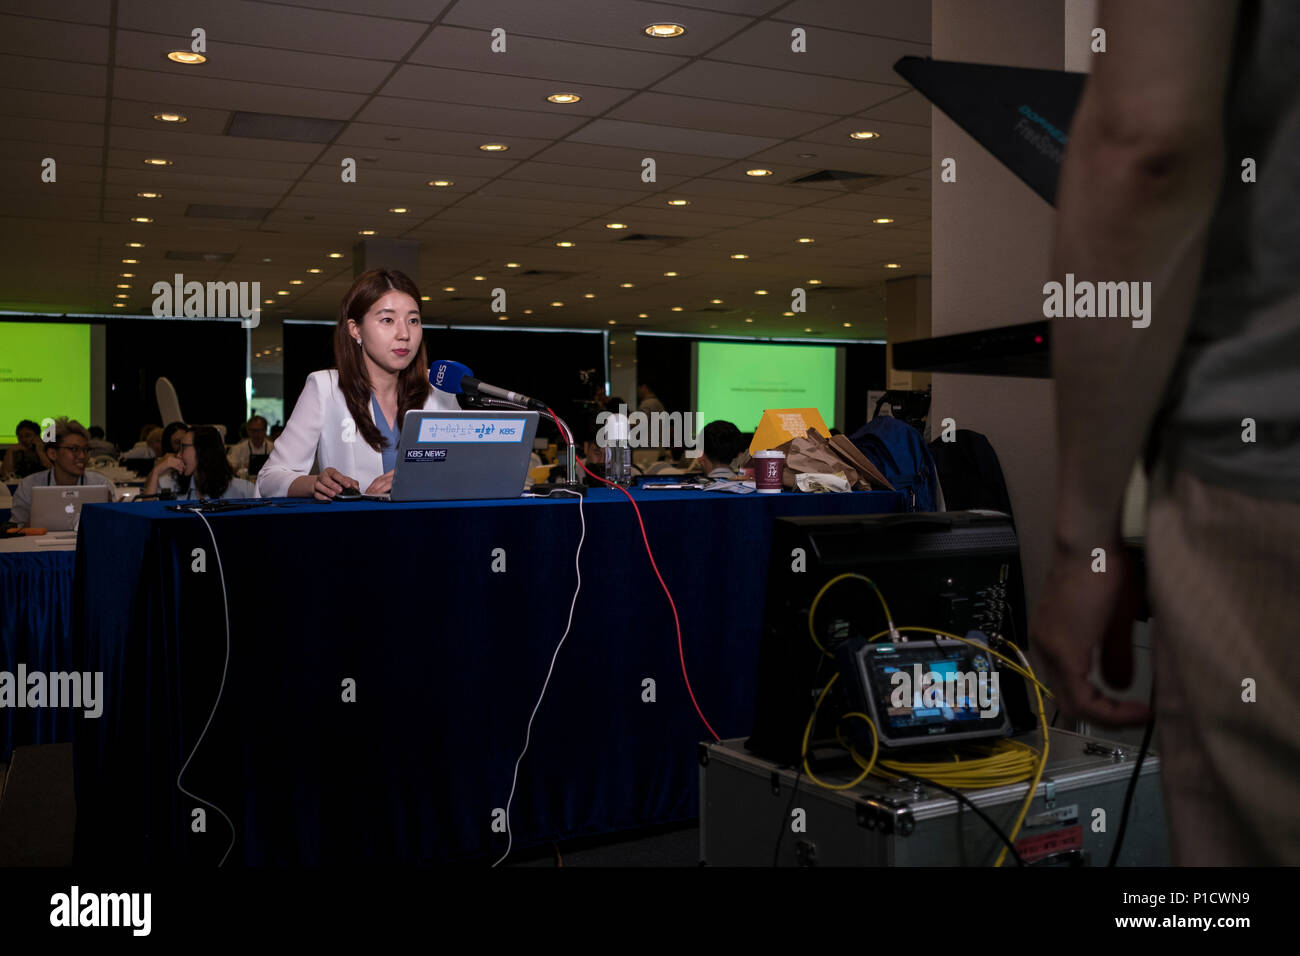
(448, 456)
(58, 507)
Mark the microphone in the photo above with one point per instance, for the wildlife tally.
(447, 376)
(474, 387)
(456, 379)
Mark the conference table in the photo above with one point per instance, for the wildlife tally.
(36, 588)
(377, 664)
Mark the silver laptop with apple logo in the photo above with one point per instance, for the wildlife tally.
(58, 507)
(459, 455)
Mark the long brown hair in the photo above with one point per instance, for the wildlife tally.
(354, 381)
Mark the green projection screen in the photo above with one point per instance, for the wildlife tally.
(737, 381)
(44, 373)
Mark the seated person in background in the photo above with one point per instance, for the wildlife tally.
(721, 442)
(171, 438)
(348, 419)
(28, 456)
(199, 471)
(251, 454)
(145, 447)
(98, 444)
(68, 454)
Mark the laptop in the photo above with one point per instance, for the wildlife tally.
(58, 507)
(1020, 115)
(458, 455)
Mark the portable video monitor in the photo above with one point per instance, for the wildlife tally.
(456, 455)
(58, 507)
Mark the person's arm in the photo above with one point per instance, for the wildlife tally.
(1141, 177)
(165, 464)
(1138, 188)
(287, 473)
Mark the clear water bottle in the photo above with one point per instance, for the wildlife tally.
(618, 455)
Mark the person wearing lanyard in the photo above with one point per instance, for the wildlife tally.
(200, 471)
(68, 454)
(347, 420)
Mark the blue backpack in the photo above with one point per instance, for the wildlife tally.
(900, 452)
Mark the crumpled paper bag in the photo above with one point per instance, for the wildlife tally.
(810, 481)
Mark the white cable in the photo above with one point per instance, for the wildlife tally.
(225, 600)
(528, 733)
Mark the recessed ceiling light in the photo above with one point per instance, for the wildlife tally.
(127, 275)
(612, 322)
(124, 285)
(122, 295)
(760, 292)
(267, 301)
(565, 244)
(135, 245)
(295, 282)
(589, 295)
(787, 313)
(442, 182)
(119, 305)
(332, 255)
(528, 311)
(749, 320)
(848, 325)
(758, 172)
(805, 239)
(186, 56)
(130, 262)
(883, 220)
(365, 232)
(478, 278)
(141, 219)
(557, 304)
(150, 195)
(314, 271)
(814, 281)
(494, 147)
(615, 225)
(266, 260)
(625, 285)
(892, 265)
(171, 117)
(282, 292)
(664, 30)
(424, 298)
(807, 155)
(503, 317)
(157, 161)
(642, 315)
(449, 288)
(397, 209)
(679, 202)
(864, 134)
(740, 255)
(715, 301)
(512, 265)
(564, 98)
(670, 274)
(676, 308)
(807, 330)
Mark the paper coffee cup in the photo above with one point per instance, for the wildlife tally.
(769, 467)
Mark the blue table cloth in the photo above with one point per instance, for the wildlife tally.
(444, 618)
(35, 631)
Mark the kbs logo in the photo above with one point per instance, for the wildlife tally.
(426, 454)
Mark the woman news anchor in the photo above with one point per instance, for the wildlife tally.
(347, 420)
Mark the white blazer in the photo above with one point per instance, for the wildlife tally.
(316, 439)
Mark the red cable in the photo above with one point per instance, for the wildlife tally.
(681, 653)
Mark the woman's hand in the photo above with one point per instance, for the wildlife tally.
(330, 482)
(165, 463)
(382, 485)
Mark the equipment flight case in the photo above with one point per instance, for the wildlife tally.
(745, 805)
